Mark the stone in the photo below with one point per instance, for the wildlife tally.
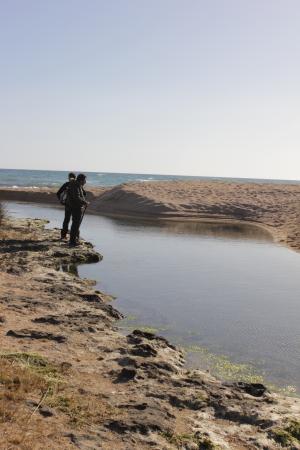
(144, 350)
(126, 374)
(35, 334)
(45, 411)
(137, 336)
(143, 418)
(52, 320)
(254, 389)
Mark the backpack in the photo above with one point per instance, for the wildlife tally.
(63, 196)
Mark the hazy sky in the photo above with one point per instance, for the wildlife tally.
(196, 87)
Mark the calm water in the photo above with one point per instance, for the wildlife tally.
(226, 288)
(51, 178)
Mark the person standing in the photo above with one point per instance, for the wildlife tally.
(76, 202)
(62, 194)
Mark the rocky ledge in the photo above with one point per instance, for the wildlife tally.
(70, 380)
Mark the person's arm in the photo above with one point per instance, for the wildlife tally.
(82, 195)
(61, 190)
(85, 196)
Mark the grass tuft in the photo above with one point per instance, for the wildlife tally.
(179, 440)
(35, 364)
(81, 410)
(288, 435)
(29, 381)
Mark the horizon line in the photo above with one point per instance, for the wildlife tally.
(159, 174)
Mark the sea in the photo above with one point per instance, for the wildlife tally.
(53, 178)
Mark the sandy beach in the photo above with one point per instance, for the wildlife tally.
(71, 380)
(276, 207)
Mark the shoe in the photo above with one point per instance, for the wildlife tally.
(74, 244)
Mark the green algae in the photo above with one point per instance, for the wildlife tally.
(129, 318)
(221, 366)
(128, 325)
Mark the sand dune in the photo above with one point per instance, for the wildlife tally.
(275, 207)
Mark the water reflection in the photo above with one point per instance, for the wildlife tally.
(211, 229)
(68, 268)
(222, 230)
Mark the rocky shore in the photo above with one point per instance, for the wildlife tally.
(70, 380)
(275, 207)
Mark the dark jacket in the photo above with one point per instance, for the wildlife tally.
(76, 195)
(62, 189)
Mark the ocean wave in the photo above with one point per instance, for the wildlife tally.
(145, 179)
(28, 186)
(16, 186)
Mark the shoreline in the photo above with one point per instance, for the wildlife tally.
(185, 219)
(148, 399)
(274, 208)
(156, 218)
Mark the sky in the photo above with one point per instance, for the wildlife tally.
(191, 87)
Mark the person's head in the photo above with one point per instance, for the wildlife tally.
(81, 178)
(71, 176)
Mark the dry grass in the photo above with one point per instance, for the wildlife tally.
(23, 377)
(29, 381)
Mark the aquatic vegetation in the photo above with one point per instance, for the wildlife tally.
(142, 328)
(288, 390)
(148, 329)
(129, 318)
(221, 366)
(127, 324)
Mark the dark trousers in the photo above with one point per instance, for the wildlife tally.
(64, 230)
(76, 214)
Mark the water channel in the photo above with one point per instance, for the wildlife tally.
(224, 292)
